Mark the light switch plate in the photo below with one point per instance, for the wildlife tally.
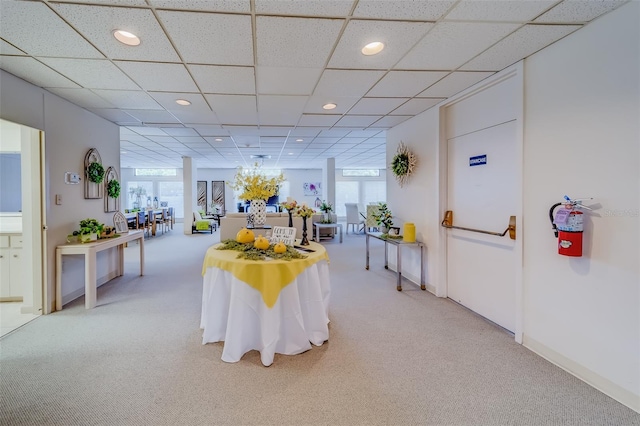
(59, 199)
(71, 178)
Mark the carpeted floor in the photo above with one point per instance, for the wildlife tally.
(393, 358)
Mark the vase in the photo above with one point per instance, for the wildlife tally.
(290, 219)
(384, 229)
(304, 241)
(326, 217)
(258, 208)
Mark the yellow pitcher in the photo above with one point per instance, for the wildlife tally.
(409, 233)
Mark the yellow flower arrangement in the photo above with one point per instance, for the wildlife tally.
(289, 205)
(305, 211)
(255, 185)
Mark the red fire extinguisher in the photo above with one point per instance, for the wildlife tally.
(568, 226)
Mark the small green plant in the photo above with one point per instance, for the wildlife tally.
(383, 217)
(113, 188)
(95, 172)
(89, 226)
(326, 207)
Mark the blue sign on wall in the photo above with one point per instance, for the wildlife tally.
(478, 160)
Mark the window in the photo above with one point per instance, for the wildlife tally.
(172, 193)
(361, 172)
(140, 194)
(155, 172)
(346, 192)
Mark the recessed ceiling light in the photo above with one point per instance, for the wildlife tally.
(373, 48)
(329, 106)
(299, 140)
(126, 37)
(123, 152)
(183, 102)
(290, 153)
(218, 140)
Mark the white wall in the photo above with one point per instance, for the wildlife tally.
(581, 138)
(70, 132)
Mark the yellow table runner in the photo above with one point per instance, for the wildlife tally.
(269, 277)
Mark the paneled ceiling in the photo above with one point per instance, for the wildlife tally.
(258, 72)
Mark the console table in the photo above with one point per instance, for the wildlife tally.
(399, 244)
(89, 251)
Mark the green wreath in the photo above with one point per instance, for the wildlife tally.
(95, 172)
(113, 188)
(400, 164)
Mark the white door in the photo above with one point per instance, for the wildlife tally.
(481, 269)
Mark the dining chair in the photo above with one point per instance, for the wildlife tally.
(171, 217)
(353, 218)
(142, 223)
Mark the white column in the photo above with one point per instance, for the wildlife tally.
(189, 192)
(329, 181)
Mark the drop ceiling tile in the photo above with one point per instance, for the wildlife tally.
(92, 73)
(451, 44)
(7, 49)
(181, 132)
(367, 133)
(335, 133)
(114, 115)
(128, 99)
(403, 9)
(346, 83)
(357, 120)
(519, 45)
(35, 72)
(192, 141)
(377, 106)
(35, 29)
(305, 8)
(577, 11)
(210, 130)
(160, 77)
(210, 38)
(238, 6)
(168, 101)
(320, 140)
(343, 104)
(147, 131)
(151, 116)
(499, 10)
(389, 121)
(398, 38)
(280, 110)
(315, 120)
(405, 83)
(454, 83)
(237, 109)
(416, 106)
(196, 117)
(224, 80)
(295, 42)
(111, 2)
(98, 23)
(286, 81)
(242, 130)
(84, 98)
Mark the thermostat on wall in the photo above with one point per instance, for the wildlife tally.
(71, 178)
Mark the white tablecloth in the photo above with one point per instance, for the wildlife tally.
(235, 313)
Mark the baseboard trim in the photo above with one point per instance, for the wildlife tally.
(593, 379)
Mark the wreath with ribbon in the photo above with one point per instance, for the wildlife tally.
(403, 164)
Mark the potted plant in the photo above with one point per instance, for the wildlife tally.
(326, 209)
(113, 188)
(137, 192)
(383, 218)
(89, 230)
(95, 172)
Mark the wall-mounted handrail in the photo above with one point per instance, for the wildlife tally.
(447, 222)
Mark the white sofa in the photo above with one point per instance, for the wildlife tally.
(233, 222)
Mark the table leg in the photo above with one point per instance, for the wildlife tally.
(90, 285)
(340, 226)
(367, 244)
(399, 265)
(386, 256)
(422, 286)
(317, 233)
(121, 259)
(58, 280)
(141, 254)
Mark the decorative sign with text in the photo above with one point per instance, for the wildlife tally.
(478, 160)
(283, 233)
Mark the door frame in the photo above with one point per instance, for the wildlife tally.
(516, 72)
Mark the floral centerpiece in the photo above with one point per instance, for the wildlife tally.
(305, 212)
(290, 206)
(383, 217)
(326, 208)
(256, 187)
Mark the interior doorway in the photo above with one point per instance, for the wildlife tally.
(22, 227)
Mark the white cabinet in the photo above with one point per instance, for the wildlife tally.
(11, 268)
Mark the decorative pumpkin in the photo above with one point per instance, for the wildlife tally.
(261, 243)
(280, 247)
(245, 236)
